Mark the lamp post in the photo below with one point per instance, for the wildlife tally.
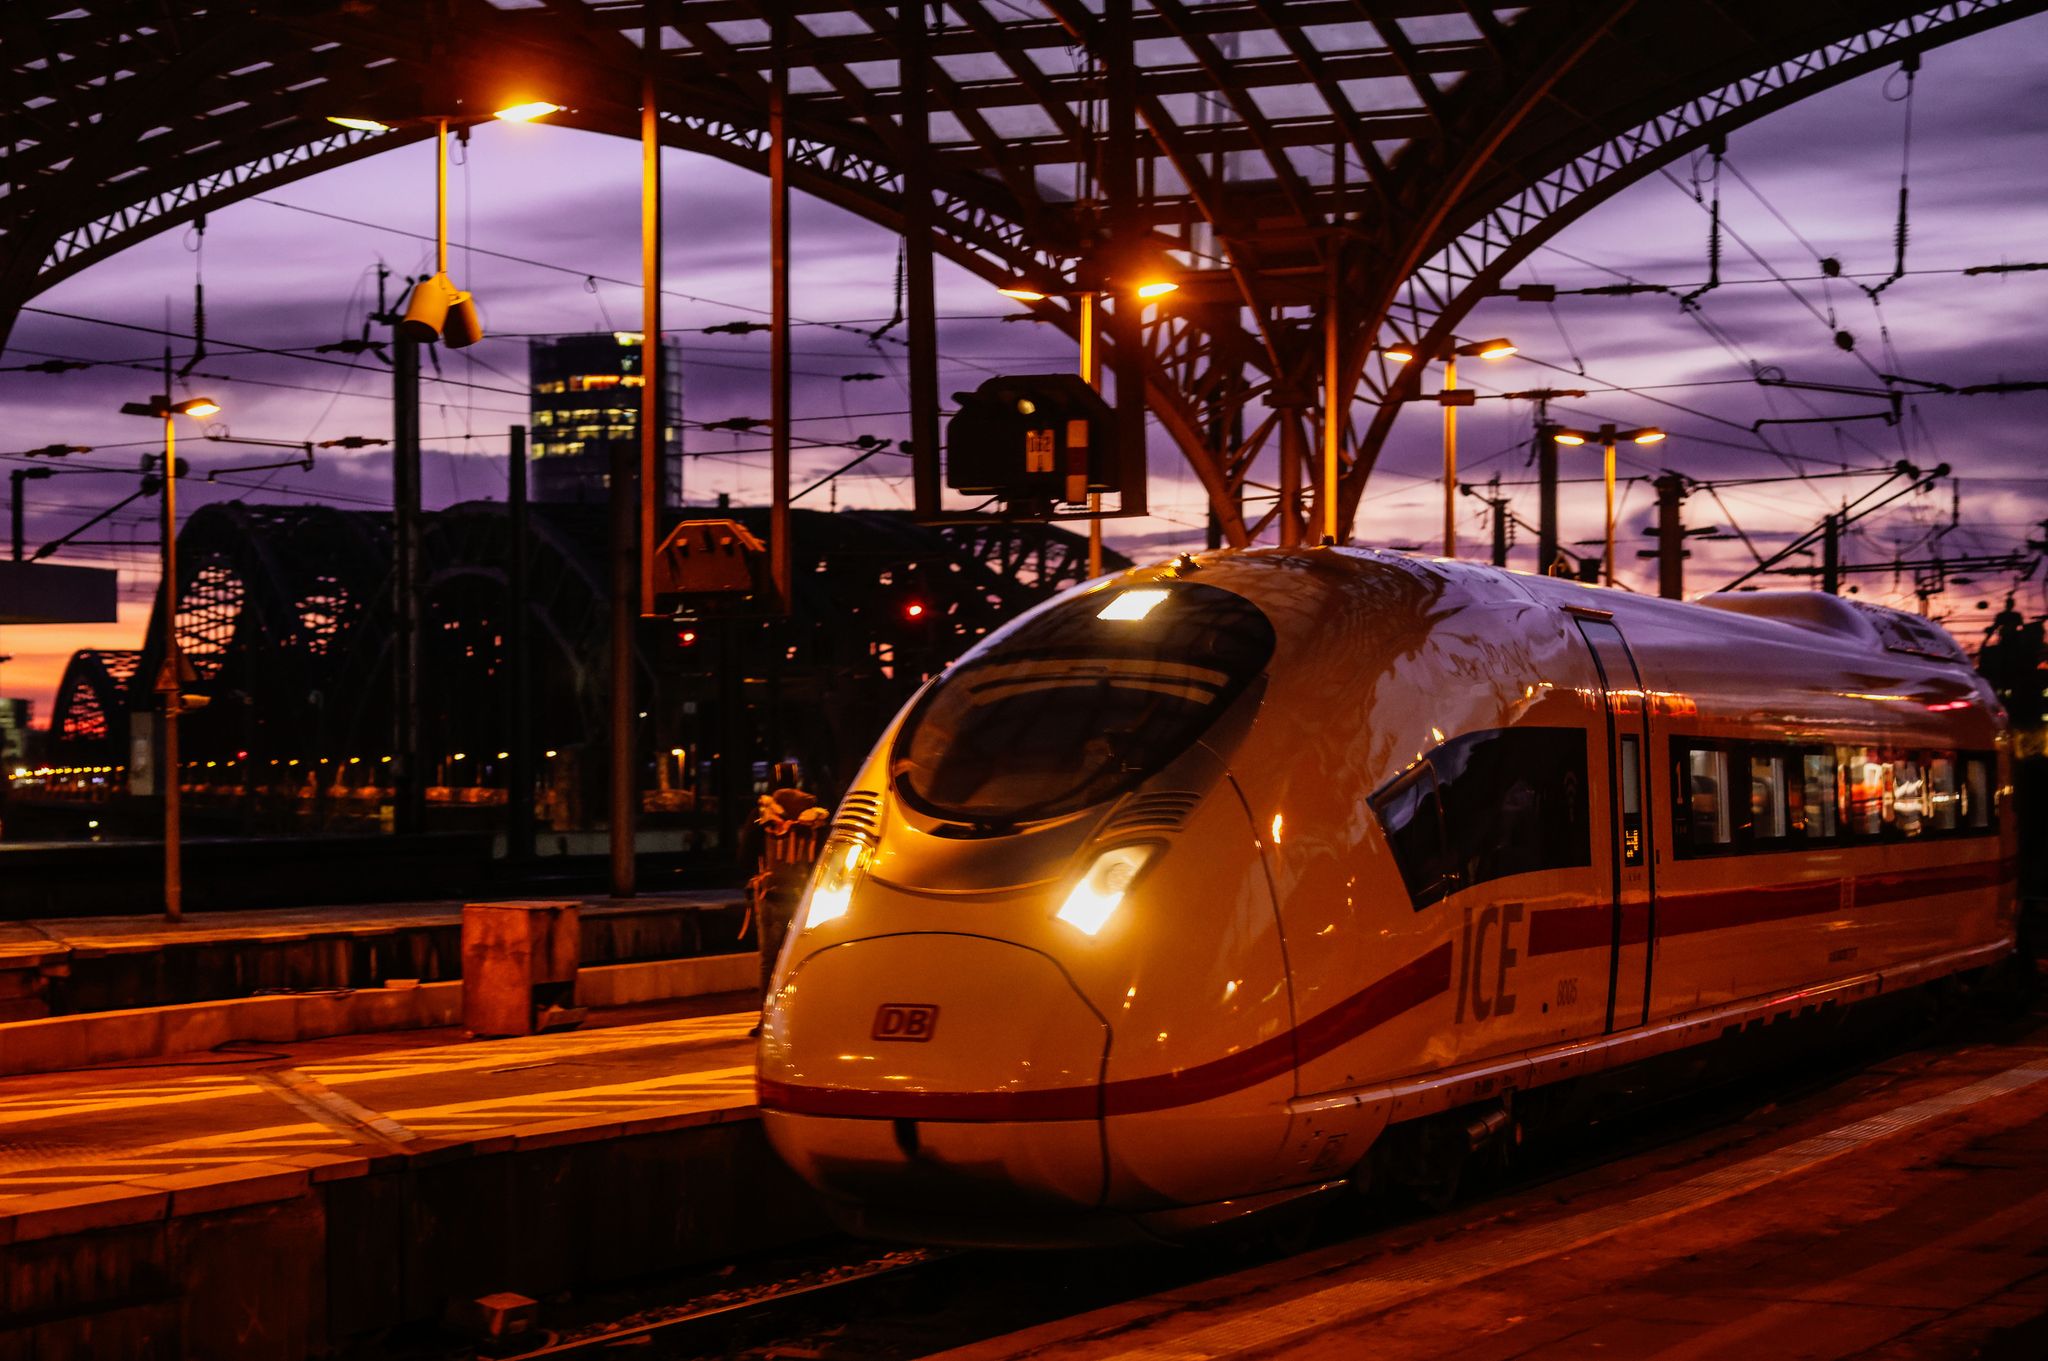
(1148, 290)
(1608, 436)
(435, 305)
(1500, 347)
(170, 677)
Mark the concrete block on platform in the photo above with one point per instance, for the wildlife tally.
(321, 1014)
(117, 1036)
(196, 1028)
(57, 1214)
(271, 1020)
(228, 1188)
(45, 1046)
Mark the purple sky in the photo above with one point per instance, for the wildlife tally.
(279, 276)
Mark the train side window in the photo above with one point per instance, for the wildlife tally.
(1909, 795)
(1817, 805)
(1863, 787)
(1706, 809)
(1976, 812)
(1767, 818)
(1411, 816)
(1514, 800)
(1941, 793)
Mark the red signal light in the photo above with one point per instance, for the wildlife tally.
(686, 637)
(914, 610)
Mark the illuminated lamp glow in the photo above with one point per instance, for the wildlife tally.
(1158, 288)
(1101, 891)
(199, 406)
(1400, 354)
(1648, 436)
(1570, 438)
(359, 124)
(1023, 293)
(839, 869)
(1130, 606)
(526, 113)
(1499, 349)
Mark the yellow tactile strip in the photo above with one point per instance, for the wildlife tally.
(279, 1161)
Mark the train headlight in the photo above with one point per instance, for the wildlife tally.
(1101, 891)
(839, 869)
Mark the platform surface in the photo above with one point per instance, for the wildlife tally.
(406, 1094)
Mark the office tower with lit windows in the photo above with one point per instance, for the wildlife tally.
(586, 403)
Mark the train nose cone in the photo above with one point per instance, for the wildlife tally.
(935, 1074)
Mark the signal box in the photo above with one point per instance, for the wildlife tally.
(1037, 438)
(709, 564)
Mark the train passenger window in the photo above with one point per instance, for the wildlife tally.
(1073, 704)
(1817, 802)
(1909, 796)
(1941, 793)
(1514, 800)
(1707, 819)
(1863, 785)
(1412, 818)
(1976, 812)
(1767, 818)
(1505, 801)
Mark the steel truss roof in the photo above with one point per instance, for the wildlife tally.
(1410, 151)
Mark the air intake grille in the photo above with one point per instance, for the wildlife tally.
(1151, 813)
(861, 812)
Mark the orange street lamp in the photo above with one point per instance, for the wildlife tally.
(1608, 436)
(169, 679)
(1500, 347)
(436, 308)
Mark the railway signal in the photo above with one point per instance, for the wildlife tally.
(1033, 441)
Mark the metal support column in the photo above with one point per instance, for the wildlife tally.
(1499, 505)
(1546, 498)
(409, 786)
(1670, 537)
(518, 647)
(170, 679)
(1120, 190)
(653, 372)
(780, 553)
(1293, 457)
(625, 790)
(920, 304)
(1831, 554)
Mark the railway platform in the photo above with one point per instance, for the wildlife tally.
(72, 966)
(325, 1196)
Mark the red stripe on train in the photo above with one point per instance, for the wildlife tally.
(1557, 930)
(1406, 988)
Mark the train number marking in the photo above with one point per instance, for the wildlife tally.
(911, 1021)
(1488, 996)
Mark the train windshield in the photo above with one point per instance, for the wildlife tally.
(1079, 703)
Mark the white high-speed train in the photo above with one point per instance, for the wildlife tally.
(1170, 898)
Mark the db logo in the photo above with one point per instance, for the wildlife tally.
(912, 1021)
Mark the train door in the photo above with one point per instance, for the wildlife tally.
(1628, 750)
